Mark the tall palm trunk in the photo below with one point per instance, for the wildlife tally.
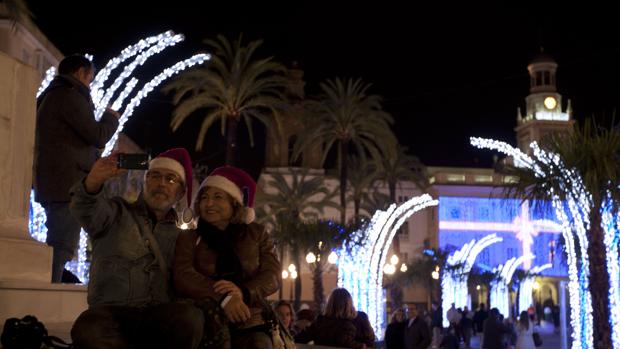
(599, 282)
(232, 123)
(344, 145)
(297, 261)
(356, 208)
(317, 280)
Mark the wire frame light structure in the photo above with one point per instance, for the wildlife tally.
(360, 266)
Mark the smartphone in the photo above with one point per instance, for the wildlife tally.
(133, 161)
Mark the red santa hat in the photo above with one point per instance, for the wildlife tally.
(238, 184)
(178, 161)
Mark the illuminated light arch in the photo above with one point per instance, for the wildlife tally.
(499, 288)
(101, 96)
(454, 284)
(360, 267)
(525, 288)
(573, 213)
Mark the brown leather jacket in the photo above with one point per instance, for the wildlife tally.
(195, 264)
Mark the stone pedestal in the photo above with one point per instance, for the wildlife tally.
(21, 257)
(25, 264)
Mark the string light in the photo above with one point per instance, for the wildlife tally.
(360, 266)
(101, 97)
(573, 212)
(454, 284)
(525, 288)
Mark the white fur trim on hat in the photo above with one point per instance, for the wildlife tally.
(226, 185)
(249, 215)
(168, 164)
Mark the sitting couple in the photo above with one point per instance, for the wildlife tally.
(153, 285)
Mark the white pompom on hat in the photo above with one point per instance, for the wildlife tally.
(236, 183)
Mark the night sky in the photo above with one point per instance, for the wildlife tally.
(445, 72)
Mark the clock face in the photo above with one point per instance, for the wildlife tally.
(550, 103)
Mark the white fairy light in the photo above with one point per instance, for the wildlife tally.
(577, 203)
(129, 69)
(148, 87)
(361, 265)
(102, 76)
(454, 285)
(525, 288)
(49, 76)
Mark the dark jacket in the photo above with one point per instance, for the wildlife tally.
(67, 137)
(417, 335)
(194, 269)
(331, 332)
(494, 333)
(364, 332)
(395, 335)
(123, 271)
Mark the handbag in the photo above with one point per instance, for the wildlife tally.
(28, 333)
(537, 339)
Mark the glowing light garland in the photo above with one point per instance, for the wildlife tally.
(611, 226)
(574, 215)
(525, 288)
(499, 288)
(153, 45)
(148, 87)
(360, 267)
(49, 76)
(454, 284)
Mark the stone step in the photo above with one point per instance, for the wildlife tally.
(50, 303)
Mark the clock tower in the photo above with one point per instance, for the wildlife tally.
(543, 106)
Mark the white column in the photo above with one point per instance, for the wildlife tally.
(21, 257)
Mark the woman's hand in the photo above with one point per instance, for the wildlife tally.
(227, 287)
(236, 310)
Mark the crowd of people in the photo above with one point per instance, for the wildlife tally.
(494, 331)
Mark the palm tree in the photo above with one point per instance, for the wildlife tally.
(419, 273)
(360, 181)
(321, 238)
(232, 87)
(286, 204)
(346, 116)
(397, 166)
(17, 10)
(590, 153)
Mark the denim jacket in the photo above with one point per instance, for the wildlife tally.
(123, 270)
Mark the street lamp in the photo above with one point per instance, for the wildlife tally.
(310, 258)
(332, 258)
(435, 273)
(403, 267)
(394, 259)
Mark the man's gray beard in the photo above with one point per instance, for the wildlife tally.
(158, 205)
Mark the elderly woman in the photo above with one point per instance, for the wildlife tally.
(337, 326)
(228, 265)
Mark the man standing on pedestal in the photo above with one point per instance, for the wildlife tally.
(66, 142)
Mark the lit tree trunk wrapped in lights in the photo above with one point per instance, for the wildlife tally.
(578, 173)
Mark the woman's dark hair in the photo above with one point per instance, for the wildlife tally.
(524, 320)
(340, 305)
(73, 63)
